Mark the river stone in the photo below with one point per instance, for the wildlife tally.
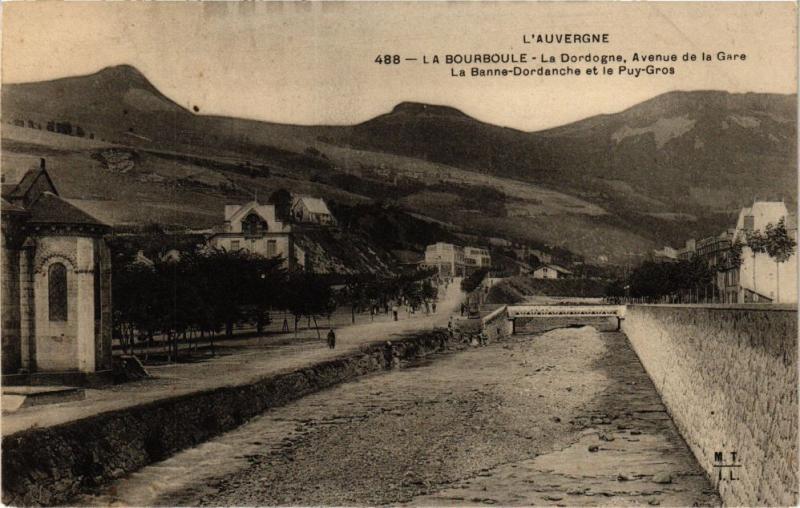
(662, 478)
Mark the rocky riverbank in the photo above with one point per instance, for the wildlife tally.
(568, 417)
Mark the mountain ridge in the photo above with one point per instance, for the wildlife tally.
(650, 167)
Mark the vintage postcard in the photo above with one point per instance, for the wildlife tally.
(399, 253)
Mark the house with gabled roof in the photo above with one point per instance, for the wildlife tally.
(56, 286)
(308, 209)
(255, 228)
(551, 271)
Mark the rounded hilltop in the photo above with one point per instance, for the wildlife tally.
(419, 108)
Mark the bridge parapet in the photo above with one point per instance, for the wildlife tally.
(519, 311)
(500, 322)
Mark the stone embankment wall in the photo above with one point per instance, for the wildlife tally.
(48, 466)
(728, 376)
(497, 324)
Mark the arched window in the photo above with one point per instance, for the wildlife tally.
(57, 291)
(253, 226)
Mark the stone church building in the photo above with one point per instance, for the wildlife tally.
(56, 286)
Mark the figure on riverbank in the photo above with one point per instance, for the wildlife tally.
(388, 354)
(331, 339)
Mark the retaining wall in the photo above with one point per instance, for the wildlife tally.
(51, 465)
(728, 376)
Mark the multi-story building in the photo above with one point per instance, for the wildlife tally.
(446, 258)
(455, 261)
(254, 227)
(714, 249)
(760, 278)
(477, 258)
(688, 250)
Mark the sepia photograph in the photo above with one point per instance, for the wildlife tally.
(399, 253)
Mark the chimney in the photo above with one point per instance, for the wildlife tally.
(41, 163)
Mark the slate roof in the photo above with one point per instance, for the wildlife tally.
(51, 209)
(314, 205)
(554, 267)
(27, 182)
(11, 207)
(7, 188)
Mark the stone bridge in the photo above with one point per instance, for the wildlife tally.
(502, 321)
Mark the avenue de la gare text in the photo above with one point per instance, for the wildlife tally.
(601, 59)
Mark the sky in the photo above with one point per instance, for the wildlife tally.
(313, 63)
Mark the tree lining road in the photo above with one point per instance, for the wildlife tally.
(253, 359)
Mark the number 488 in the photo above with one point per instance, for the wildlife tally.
(387, 59)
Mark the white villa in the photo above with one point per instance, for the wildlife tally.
(254, 227)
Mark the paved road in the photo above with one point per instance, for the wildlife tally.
(564, 418)
(252, 359)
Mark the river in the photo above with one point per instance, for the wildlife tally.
(567, 417)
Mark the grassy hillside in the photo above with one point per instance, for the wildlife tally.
(676, 166)
(522, 288)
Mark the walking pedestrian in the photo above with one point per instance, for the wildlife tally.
(331, 339)
(434, 307)
(394, 311)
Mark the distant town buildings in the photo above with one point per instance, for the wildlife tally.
(524, 253)
(759, 279)
(551, 271)
(56, 284)
(455, 261)
(666, 254)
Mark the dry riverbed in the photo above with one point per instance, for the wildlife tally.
(564, 418)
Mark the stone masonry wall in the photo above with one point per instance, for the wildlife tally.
(728, 376)
(49, 466)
